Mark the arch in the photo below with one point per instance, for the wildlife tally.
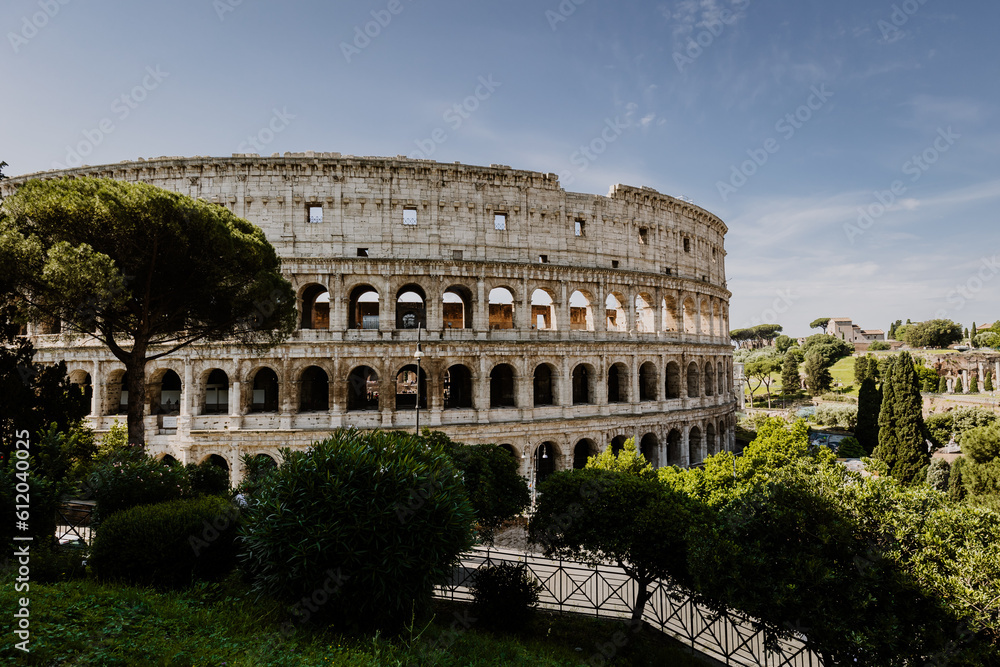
(716, 318)
(543, 312)
(645, 322)
(706, 317)
(315, 307)
(709, 378)
(502, 387)
(167, 394)
(169, 460)
(265, 391)
(545, 461)
(510, 450)
(409, 390)
(543, 385)
(411, 307)
(457, 388)
(362, 389)
(457, 307)
(82, 381)
(618, 383)
(363, 308)
(118, 392)
(582, 451)
(314, 390)
(581, 311)
(668, 313)
(218, 461)
(649, 447)
(216, 393)
(710, 443)
(614, 310)
(647, 382)
(266, 460)
(583, 384)
(617, 443)
(694, 446)
(688, 313)
(674, 454)
(673, 385)
(693, 380)
(501, 309)
(720, 378)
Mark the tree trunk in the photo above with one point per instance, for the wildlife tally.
(136, 401)
(641, 597)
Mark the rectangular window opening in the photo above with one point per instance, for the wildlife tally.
(315, 214)
(362, 252)
(614, 264)
(580, 227)
(667, 271)
(687, 245)
(500, 222)
(457, 254)
(543, 259)
(643, 236)
(410, 216)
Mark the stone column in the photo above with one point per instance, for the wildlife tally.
(600, 309)
(481, 309)
(387, 307)
(685, 446)
(565, 385)
(562, 315)
(434, 307)
(97, 392)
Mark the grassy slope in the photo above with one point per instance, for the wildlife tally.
(86, 623)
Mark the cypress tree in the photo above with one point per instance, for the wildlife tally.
(869, 407)
(943, 385)
(791, 383)
(860, 369)
(988, 382)
(974, 384)
(959, 387)
(901, 443)
(972, 335)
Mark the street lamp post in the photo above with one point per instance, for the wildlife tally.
(418, 355)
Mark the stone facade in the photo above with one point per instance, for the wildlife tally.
(553, 322)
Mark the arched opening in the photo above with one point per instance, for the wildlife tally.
(668, 313)
(314, 390)
(694, 446)
(362, 389)
(693, 380)
(617, 443)
(81, 380)
(502, 393)
(709, 378)
(510, 450)
(581, 312)
(618, 383)
(583, 377)
(542, 386)
(674, 454)
(457, 308)
(216, 393)
(720, 378)
(169, 402)
(689, 313)
(644, 320)
(673, 380)
(315, 308)
(120, 406)
(219, 462)
(501, 308)
(363, 308)
(648, 447)
(545, 461)
(706, 317)
(457, 388)
(583, 451)
(716, 319)
(265, 391)
(615, 313)
(647, 382)
(411, 311)
(169, 460)
(409, 390)
(710, 443)
(543, 315)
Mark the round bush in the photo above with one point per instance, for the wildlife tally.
(359, 529)
(134, 479)
(168, 544)
(504, 595)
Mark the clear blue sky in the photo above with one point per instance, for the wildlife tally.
(783, 118)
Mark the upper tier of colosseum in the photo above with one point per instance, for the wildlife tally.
(325, 205)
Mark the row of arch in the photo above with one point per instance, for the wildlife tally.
(692, 314)
(363, 387)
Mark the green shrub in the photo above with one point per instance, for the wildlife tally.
(168, 544)
(850, 448)
(58, 563)
(967, 418)
(839, 398)
(841, 416)
(939, 428)
(364, 524)
(938, 473)
(208, 479)
(879, 346)
(982, 444)
(132, 478)
(504, 595)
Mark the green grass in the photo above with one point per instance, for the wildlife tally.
(82, 622)
(843, 372)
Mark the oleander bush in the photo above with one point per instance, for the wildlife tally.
(504, 596)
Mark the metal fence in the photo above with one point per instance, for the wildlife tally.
(607, 592)
(73, 522)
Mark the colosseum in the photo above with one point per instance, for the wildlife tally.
(554, 323)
